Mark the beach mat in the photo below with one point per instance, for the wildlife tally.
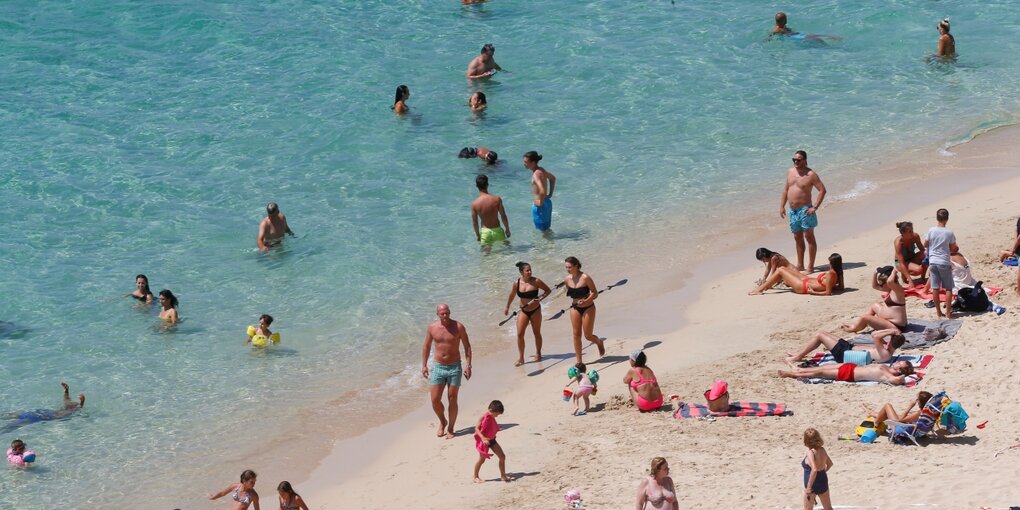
(915, 333)
(911, 381)
(736, 409)
(920, 361)
(917, 291)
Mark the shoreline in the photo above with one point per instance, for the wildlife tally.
(641, 317)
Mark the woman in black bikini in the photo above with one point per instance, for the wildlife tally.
(581, 290)
(142, 292)
(889, 313)
(526, 288)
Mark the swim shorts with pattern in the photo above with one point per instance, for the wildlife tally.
(800, 220)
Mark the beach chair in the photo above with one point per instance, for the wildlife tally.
(906, 433)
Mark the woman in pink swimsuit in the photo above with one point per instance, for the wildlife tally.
(644, 389)
(821, 285)
(656, 491)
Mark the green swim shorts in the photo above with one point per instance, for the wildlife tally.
(440, 374)
(491, 235)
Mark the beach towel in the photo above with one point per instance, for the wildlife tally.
(920, 361)
(489, 428)
(910, 382)
(918, 292)
(920, 334)
(736, 409)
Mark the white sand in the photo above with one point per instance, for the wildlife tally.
(724, 333)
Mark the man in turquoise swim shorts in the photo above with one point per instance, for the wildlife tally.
(445, 371)
(543, 183)
(489, 209)
(800, 181)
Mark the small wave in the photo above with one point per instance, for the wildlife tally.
(860, 189)
(977, 131)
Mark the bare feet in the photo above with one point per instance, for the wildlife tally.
(506, 478)
(755, 293)
(519, 362)
(601, 344)
(537, 357)
(66, 389)
(786, 373)
(478, 480)
(790, 359)
(847, 328)
(442, 429)
(449, 433)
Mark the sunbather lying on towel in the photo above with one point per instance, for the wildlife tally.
(886, 343)
(895, 374)
(886, 412)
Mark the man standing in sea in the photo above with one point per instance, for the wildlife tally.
(800, 181)
(447, 335)
(489, 209)
(272, 228)
(543, 183)
(484, 65)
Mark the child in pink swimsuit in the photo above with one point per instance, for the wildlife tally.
(585, 388)
(485, 438)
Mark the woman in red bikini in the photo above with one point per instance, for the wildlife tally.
(644, 389)
(822, 285)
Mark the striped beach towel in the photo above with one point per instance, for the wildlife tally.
(736, 409)
(911, 381)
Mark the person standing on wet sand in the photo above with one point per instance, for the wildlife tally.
(484, 65)
(800, 181)
(542, 185)
(272, 228)
(489, 209)
(447, 335)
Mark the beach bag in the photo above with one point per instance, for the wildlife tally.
(973, 299)
(869, 424)
(954, 418)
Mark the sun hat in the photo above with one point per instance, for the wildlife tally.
(718, 390)
(635, 353)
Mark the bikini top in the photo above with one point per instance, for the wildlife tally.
(246, 500)
(641, 381)
(528, 294)
(578, 292)
(291, 504)
(889, 301)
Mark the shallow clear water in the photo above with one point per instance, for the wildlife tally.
(148, 137)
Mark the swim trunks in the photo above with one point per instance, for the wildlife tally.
(846, 372)
(941, 276)
(440, 374)
(542, 215)
(839, 349)
(491, 235)
(37, 415)
(800, 220)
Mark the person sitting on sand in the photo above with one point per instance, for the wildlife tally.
(800, 283)
(889, 313)
(886, 343)
(644, 389)
(37, 415)
(772, 261)
(849, 372)
(909, 252)
(887, 412)
(656, 491)
(290, 500)
(1014, 251)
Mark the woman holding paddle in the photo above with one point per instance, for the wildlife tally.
(582, 291)
(526, 288)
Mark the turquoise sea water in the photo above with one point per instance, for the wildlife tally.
(147, 137)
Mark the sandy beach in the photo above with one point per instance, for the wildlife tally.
(710, 328)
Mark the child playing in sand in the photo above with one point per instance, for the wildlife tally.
(816, 465)
(485, 438)
(585, 388)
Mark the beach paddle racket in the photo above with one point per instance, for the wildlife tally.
(511, 316)
(560, 313)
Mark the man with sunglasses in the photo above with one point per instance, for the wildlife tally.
(800, 181)
(272, 228)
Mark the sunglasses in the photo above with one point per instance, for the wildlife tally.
(797, 159)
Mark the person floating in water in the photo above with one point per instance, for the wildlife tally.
(947, 44)
(272, 228)
(484, 65)
(19, 419)
(488, 210)
(483, 153)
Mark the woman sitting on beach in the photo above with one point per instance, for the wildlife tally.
(243, 494)
(909, 252)
(400, 100)
(581, 290)
(800, 283)
(1013, 251)
(889, 313)
(644, 389)
(169, 303)
(526, 288)
(887, 412)
(656, 491)
(772, 261)
(142, 292)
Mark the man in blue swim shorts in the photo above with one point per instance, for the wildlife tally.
(542, 185)
(38, 415)
(800, 181)
(446, 335)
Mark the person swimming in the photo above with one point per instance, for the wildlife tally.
(477, 101)
(489, 156)
(400, 100)
(23, 418)
(142, 292)
(168, 302)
